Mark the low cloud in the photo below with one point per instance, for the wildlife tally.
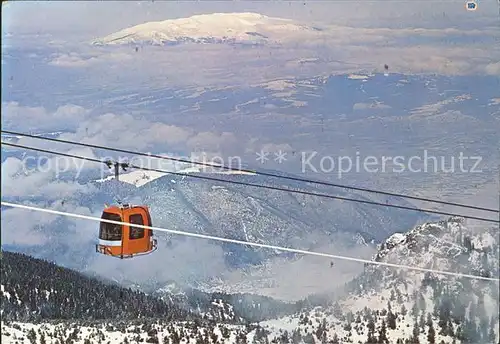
(77, 60)
(183, 261)
(128, 132)
(37, 228)
(296, 279)
(122, 131)
(21, 227)
(66, 117)
(140, 134)
(19, 179)
(72, 60)
(493, 68)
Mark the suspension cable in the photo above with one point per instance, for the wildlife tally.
(248, 243)
(107, 162)
(267, 174)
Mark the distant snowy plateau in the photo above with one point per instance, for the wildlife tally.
(244, 28)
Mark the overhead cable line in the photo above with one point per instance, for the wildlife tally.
(248, 243)
(268, 187)
(267, 174)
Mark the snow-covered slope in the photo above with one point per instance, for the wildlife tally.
(118, 333)
(251, 28)
(403, 304)
(139, 178)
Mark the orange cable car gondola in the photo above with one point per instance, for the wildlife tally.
(125, 241)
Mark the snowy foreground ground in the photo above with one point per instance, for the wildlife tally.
(52, 333)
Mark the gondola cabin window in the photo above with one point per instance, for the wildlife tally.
(136, 232)
(150, 224)
(110, 231)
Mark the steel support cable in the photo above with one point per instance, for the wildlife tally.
(304, 180)
(107, 162)
(248, 243)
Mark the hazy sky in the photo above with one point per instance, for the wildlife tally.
(105, 17)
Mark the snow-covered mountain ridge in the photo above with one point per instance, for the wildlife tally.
(448, 245)
(139, 178)
(247, 28)
(377, 306)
